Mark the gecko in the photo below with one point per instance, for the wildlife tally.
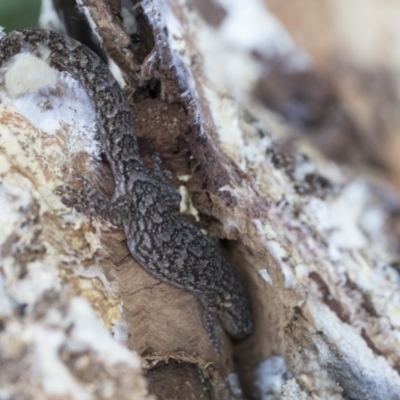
(159, 238)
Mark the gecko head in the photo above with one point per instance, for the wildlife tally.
(234, 311)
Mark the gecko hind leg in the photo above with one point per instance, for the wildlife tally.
(212, 328)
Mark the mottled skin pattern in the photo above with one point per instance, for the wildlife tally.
(159, 239)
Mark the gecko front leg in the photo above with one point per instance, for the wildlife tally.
(168, 193)
(91, 200)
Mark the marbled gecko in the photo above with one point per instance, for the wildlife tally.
(159, 239)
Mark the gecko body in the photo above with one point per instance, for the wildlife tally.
(159, 239)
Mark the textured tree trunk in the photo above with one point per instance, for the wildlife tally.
(280, 127)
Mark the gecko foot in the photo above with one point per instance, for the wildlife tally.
(157, 171)
(72, 198)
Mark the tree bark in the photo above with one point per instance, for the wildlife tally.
(272, 146)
